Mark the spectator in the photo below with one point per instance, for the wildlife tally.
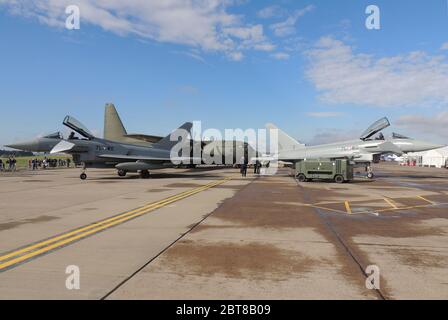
(14, 162)
(244, 170)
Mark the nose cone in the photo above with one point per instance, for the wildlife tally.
(416, 145)
(425, 146)
(37, 145)
(25, 146)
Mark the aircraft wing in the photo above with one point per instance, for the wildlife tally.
(145, 158)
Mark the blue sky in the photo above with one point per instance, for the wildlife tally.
(311, 67)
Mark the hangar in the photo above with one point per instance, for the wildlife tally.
(437, 158)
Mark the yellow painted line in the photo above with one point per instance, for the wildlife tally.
(93, 225)
(392, 204)
(424, 199)
(66, 239)
(348, 208)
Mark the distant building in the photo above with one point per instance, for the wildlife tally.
(437, 158)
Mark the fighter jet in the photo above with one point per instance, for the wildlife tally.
(362, 151)
(114, 130)
(93, 152)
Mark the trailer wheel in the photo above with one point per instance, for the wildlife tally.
(370, 175)
(339, 179)
(301, 177)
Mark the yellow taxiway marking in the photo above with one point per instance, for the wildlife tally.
(28, 252)
(392, 204)
(348, 208)
(424, 199)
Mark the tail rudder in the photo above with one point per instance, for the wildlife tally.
(113, 126)
(285, 142)
(182, 132)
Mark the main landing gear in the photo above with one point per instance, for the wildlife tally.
(122, 173)
(144, 174)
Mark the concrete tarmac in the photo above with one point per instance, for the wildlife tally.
(209, 234)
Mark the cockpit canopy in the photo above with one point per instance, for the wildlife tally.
(56, 135)
(399, 136)
(375, 128)
(78, 127)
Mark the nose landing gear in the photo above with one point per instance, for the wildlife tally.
(122, 173)
(370, 174)
(83, 175)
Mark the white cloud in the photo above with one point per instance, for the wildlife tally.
(236, 56)
(288, 27)
(345, 77)
(333, 135)
(436, 125)
(202, 24)
(324, 114)
(444, 46)
(280, 56)
(271, 12)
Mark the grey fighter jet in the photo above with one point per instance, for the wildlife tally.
(93, 152)
(363, 151)
(113, 131)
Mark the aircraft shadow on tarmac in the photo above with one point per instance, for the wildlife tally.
(159, 177)
(439, 177)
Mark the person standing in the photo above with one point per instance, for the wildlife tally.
(14, 164)
(244, 170)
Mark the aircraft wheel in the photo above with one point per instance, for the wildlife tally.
(370, 175)
(301, 177)
(122, 173)
(83, 176)
(339, 179)
(145, 174)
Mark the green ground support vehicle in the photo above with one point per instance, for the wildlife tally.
(339, 171)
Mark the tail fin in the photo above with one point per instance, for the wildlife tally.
(113, 127)
(285, 142)
(184, 131)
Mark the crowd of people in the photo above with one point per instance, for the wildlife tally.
(35, 164)
(10, 163)
(257, 168)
